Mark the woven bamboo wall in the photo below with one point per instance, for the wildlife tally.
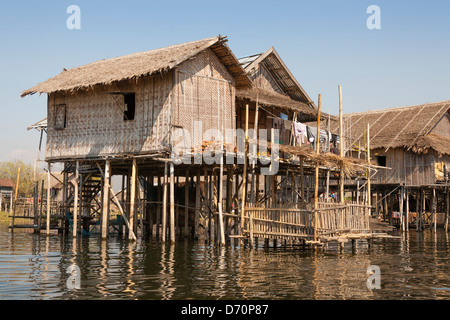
(261, 78)
(95, 124)
(200, 89)
(409, 168)
(204, 91)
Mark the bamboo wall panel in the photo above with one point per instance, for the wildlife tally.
(95, 124)
(261, 78)
(205, 93)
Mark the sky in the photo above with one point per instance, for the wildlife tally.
(324, 43)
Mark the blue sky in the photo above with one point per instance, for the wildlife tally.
(323, 43)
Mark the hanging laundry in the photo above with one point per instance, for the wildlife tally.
(312, 136)
(300, 131)
(323, 138)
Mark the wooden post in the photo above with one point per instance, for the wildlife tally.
(197, 205)
(434, 209)
(105, 205)
(316, 184)
(219, 204)
(172, 203)
(402, 226)
(158, 206)
(447, 212)
(341, 148)
(15, 197)
(186, 204)
(75, 202)
(48, 198)
(302, 183)
(369, 191)
(132, 193)
(244, 176)
(407, 210)
(164, 206)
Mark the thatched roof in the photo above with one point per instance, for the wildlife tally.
(138, 65)
(397, 127)
(432, 142)
(274, 99)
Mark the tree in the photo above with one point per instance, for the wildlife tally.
(8, 170)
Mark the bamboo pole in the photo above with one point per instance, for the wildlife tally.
(75, 202)
(316, 184)
(407, 209)
(341, 148)
(132, 193)
(447, 212)
(105, 205)
(48, 198)
(221, 228)
(369, 191)
(164, 204)
(244, 176)
(15, 196)
(172, 203)
(197, 205)
(434, 209)
(186, 203)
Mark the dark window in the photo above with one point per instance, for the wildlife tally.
(381, 161)
(60, 116)
(129, 107)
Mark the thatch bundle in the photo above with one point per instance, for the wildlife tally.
(432, 142)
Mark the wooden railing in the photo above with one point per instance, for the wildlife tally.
(290, 221)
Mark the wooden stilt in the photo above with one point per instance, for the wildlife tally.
(434, 205)
(132, 194)
(48, 198)
(186, 205)
(341, 148)
(172, 203)
(158, 207)
(221, 228)
(447, 212)
(244, 177)
(316, 183)
(105, 204)
(75, 202)
(164, 205)
(197, 205)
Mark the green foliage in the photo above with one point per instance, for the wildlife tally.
(9, 169)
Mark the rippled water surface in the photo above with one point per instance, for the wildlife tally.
(35, 267)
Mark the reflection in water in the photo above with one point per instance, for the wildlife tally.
(35, 267)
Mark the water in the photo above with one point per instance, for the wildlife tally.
(35, 267)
